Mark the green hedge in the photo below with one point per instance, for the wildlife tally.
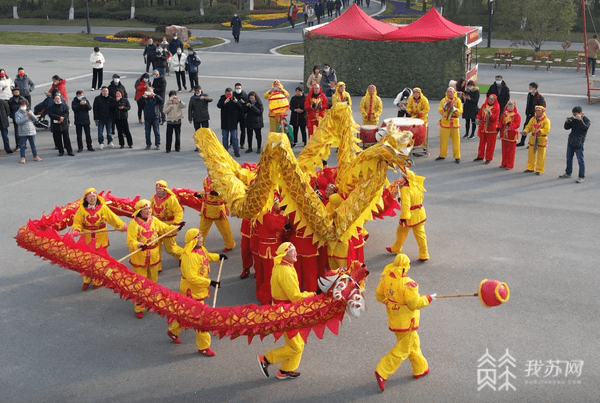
(391, 66)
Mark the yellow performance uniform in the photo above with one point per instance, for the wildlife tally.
(278, 107)
(450, 109)
(400, 294)
(337, 252)
(94, 219)
(340, 97)
(168, 210)
(412, 215)
(420, 110)
(371, 108)
(214, 210)
(284, 288)
(538, 141)
(195, 283)
(146, 262)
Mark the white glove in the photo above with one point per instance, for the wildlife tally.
(433, 296)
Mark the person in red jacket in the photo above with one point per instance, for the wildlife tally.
(307, 264)
(315, 105)
(509, 134)
(487, 119)
(247, 261)
(143, 84)
(270, 233)
(60, 84)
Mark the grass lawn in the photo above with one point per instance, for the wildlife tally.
(78, 40)
(525, 53)
(295, 49)
(98, 22)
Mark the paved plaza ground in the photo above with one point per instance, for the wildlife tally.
(537, 233)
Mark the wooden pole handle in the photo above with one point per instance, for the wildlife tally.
(456, 295)
(217, 287)
(147, 244)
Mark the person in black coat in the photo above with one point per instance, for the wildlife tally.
(319, 11)
(13, 105)
(122, 105)
(150, 54)
(198, 108)
(175, 44)
(151, 105)
(501, 90)
(298, 119)
(160, 88)
(160, 61)
(4, 124)
(116, 85)
(103, 114)
(230, 108)
(254, 120)
(236, 27)
(58, 113)
(242, 98)
(471, 108)
(534, 98)
(81, 111)
(579, 125)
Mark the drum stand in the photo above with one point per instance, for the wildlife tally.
(421, 151)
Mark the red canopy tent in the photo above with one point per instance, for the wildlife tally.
(431, 27)
(353, 24)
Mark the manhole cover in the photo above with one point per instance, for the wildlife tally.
(46, 61)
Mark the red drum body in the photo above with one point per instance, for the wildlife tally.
(367, 134)
(416, 126)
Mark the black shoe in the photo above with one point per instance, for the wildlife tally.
(527, 170)
(177, 150)
(91, 149)
(457, 160)
(122, 146)
(520, 144)
(487, 162)
(466, 136)
(249, 150)
(264, 364)
(236, 154)
(61, 154)
(242, 147)
(130, 145)
(71, 154)
(147, 148)
(440, 158)
(168, 151)
(478, 159)
(79, 150)
(472, 136)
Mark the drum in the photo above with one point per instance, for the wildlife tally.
(367, 134)
(416, 126)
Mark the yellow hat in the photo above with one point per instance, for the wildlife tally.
(401, 262)
(162, 184)
(88, 191)
(141, 204)
(540, 107)
(417, 89)
(282, 250)
(191, 237)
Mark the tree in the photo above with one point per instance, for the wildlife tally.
(542, 19)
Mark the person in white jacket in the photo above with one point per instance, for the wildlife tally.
(177, 62)
(97, 61)
(6, 84)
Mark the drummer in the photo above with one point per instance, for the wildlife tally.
(418, 107)
(371, 107)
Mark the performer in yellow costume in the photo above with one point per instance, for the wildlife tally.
(340, 94)
(450, 108)
(371, 107)
(337, 256)
(278, 104)
(400, 294)
(214, 210)
(142, 232)
(284, 288)
(167, 209)
(195, 283)
(412, 215)
(418, 107)
(92, 216)
(539, 127)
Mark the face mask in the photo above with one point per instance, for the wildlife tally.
(238, 90)
(234, 15)
(2, 75)
(531, 91)
(198, 93)
(21, 73)
(178, 52)
(23, 108)
(469, 88)
(57, 103)
(145, 80)
(325, 71)
(104, 95)
(80, 98)
(117, 81)
(159, 50)
(498, 82)
(175, 38)
(155, 76)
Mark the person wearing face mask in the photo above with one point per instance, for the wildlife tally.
(103, 112)
(58, 112)
(230, 108)
(471, 108)
(236, 27)
(97, 60)
(24, 84)
(534, 98)
(175, 44)
(60, 84)
(509, 134)
(502, 92)
(328, 80)
(150, 104)
(242, 97)
(142, 85)
(4, 124)
(192, 62)
(81, 110)
(116, 85)
(150, 54)
(161, 61)
(254, 120)
(177, 63)
(6, 83)
(26, 119)
(174, 110)
(13, 104)
(198, 108)
(120, 119)
(159, 83)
